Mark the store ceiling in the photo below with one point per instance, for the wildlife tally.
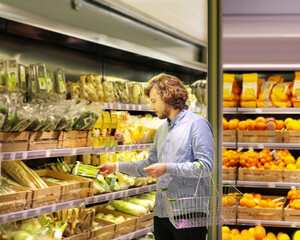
(263, 35)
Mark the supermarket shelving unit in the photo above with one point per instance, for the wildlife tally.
(53, 35)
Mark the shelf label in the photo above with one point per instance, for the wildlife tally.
(271, 185)
(260, 145)
(24, 155)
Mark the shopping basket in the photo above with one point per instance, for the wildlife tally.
(199, 206)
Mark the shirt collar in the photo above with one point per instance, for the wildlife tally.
(177, 118)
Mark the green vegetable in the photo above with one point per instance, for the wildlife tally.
(143, 202)
(9, 120)
(100, 215)
(22, 235)
(129, 208)
(59, 228)
(32, 226)
(103, 183)
(85, 170)
(108, 206)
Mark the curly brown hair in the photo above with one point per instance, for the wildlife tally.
(171, 90)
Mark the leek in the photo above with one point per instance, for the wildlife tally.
(129, 208)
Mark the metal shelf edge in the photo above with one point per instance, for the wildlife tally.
(269, 223)
(23, 155)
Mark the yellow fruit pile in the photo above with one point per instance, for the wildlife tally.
(255, 200)
(253, 233)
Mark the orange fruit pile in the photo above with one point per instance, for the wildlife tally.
(230, 199)
(294, 197)
(230, 158)
(255, 200)
(253, 233)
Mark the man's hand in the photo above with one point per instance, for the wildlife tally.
(107, 168)
(156, 170)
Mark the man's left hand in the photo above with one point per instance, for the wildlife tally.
(156, 170)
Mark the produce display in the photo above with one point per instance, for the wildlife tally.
(256, 200)
(294, 198)
(45, 113)
(253, 233)
(254, 91)
(261, 123)
(264, 159)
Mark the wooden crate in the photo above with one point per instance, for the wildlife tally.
(17, 201)
(264, 175)
(229, 136)
(229, 173)
(290, 214)
(43, 140)
(12, 142)
(123, 228)
(291, 136)
(46, 196)
(229, 212)
(144, 221)
(259, 136)
(74, 139)
(104, 233)
(261, 213)
(81, 236)
(80, 189)
(291, 176)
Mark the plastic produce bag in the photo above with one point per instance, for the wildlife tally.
(22, 78)
(60, 81)
(22, 118)
(2, 75)
(12, 76)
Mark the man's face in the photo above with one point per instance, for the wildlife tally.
(158, 105)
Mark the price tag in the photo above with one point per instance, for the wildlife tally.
(119, 106)
(127, 106)
(258, 110)
(13, 156)
(48, 152)
(260, 145)
(24, 155)
(73, 151)
(140, 107)
(271, 185)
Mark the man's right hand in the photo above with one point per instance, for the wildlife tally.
(107, 168)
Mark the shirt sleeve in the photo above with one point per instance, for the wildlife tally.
(203, 153)
(136, 169)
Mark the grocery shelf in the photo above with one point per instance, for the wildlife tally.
(231, 182)
(33, 212)
(259, 184)
(229, 110)
(261, 110)
(136, 234)
(291, 146)
(23, 155)
(127, 106)
(268, 223)
(229, 144)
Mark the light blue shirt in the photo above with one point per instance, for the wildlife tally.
(186, 140)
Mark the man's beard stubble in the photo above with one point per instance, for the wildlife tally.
(165, 113)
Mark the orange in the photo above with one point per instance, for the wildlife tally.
(258, 196)
(225, 124)
(244, 232)
(263, 203)
(243, 125)
(271, 204)
(259, 233)
(260, 126)
(284, 236)
(279, 124)
(250, 203)
(226, 236)
(243, 202)
(251, 124)
(290, 126)
(260, 119)
(233, 124)
(271, 236)
(235, 231)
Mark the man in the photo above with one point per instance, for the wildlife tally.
(182, 147)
